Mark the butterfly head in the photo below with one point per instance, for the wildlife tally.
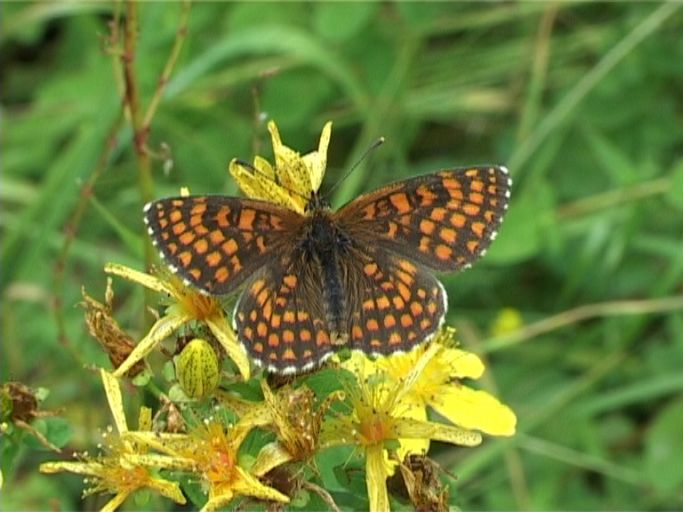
(317, 202)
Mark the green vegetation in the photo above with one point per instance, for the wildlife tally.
(577, 308)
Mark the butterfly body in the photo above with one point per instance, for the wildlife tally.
(359, 277)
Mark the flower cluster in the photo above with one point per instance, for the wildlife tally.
(241, 436)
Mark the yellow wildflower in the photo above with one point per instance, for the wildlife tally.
(378, 416)
(210, 451)
(439, 386)
(293, 179)
(189, 305)
(292, 414)
(123, 467)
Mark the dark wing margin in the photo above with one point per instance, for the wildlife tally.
(216, 242)
(445, 220)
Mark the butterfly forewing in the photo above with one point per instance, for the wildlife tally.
(444, 220)
(216, 242)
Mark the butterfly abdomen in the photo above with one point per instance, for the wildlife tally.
(326, 246)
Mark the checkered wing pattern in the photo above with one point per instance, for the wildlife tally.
(281, 318)
(445, 220)
(393, 304)
(215, 242)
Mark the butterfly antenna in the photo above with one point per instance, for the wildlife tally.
(244, 163)
(372, 147)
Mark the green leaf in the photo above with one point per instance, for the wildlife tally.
(327, 461)
(674, 195)
(519, 237)
(192, 488)
(419, 13)
(279, 91)
(663, 449)
(56, 430)
(300, 499)
(340, 21)
(326, 381)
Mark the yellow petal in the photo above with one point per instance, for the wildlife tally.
(113, 392)
(361, 365)
(146, 280)
(316, 161)
(80, 468)
(160, 441)
(226, 337)
(413, 429)
(159, 461)
(474, 409)
(218, 501)
(416, 410)
(301, 175)
(462, 364)
(145, 419)
(115, 502)
(255, 414)
(417, 446)
(264, 167)
(248, 485)
(262, 184)
(168, 489)
(407, 384)
(161, 329)
(376, 478)
(270, 456)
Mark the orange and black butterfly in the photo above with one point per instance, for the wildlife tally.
(360, 277)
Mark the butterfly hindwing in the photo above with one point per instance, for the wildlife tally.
(392, 303)
(216, 242)
(280, 318)
(444, 220)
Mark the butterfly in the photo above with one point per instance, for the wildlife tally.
(360, 277)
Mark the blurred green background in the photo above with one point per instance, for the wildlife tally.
(577, 306)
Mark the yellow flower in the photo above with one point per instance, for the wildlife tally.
(210, 451)
(124, 467)
(379, 416)
(293, 179)
(189, 305)
(439, 386)
(292, 415)
(216, 458)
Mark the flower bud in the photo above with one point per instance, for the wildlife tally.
(197, 369)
